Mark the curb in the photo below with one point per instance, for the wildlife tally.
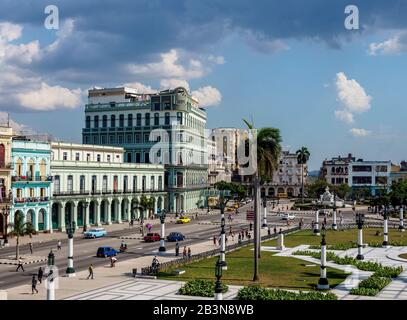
(24, 263)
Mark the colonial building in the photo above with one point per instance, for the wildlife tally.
(287, 180)
(92, 185)
(398, 172)
(358, 173)
(6, 134)
(31, 181)
(165, 127)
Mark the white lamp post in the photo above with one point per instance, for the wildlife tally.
(162, 238)
(264, 226)
(334, 226)
(50, 277)
(360, 219)
(385, 228)
(70, 230)
(401, 226)
(323, 281)
(316, 225)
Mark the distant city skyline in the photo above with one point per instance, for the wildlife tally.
(281, 63)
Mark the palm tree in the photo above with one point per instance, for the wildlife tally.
(20, 229)
(302, 158)
(268, 152)
(145, 204)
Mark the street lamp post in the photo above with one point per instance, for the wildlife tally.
(264, 226)
(218, 285)
(401, 226)
(222, 195)
(334, 226)
(360, 220)
(85, 222)
(70, 230)
(385, 227)
(162, 238)
(323, 281)
(316, 225)
(6, 213)
(50, 277)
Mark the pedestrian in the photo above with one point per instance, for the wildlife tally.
(226, 241)
(31, 247)
(251, 226)
(233, 236)
(325, 220)
(34, 285)
(189, 253)
(59, 245)
(230, 230)
(280, 231)
(113, 261)
(249, 236)
(177, 249)
(90, 269)
(275, 230)
(268, 231)
(214, 240)
(40, 274)
(20, 265)
(240, 238)
(184, 252)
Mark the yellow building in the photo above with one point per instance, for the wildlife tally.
(6, 135)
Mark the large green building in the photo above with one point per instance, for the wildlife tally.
(165, 127)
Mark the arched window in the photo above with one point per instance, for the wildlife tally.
(104, 121)
(2, 155)
(43, 169)
(179, 117)
(31, 169)
(152, 183)
(147, 119)
(125, 183)
(113, 121)
(57, 185)
(96, 122)
(143, 184)
(134, 183)
(121, 120)
(138, 120)
(156, 119)
(87, 122)
(70, 183)
(130, 120)
(104, 184)
(82, 183)
(160, 183)
(167, 118)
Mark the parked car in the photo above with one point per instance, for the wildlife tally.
(175, 236)
(287, 216)
(95, 233)
(183, 219)
(106, 252)
(151, 237)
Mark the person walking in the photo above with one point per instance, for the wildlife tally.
(268, 231)
(239, 239)
(184, 252)
(230, 230)
(275, 230)
(226, 241)
(113, 261)
(189, 253)
(59, 245)
(31, 247)
(233, 236)
(177, 249)
(20, 265)
(90, 269)
(214, 240)
(40, 274)
(34, 285)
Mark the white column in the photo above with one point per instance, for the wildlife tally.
(223, 240)
(86, 212)
(334, 226)
(385, 232)
(316, 226)
(162, 238)
(119, 210)
(70, 271)
(36, 214)
(97, 214)
(401, 226)
(323, 281)
(218, 296)
(49, 219)
(360, 244)
(264, 226)
(108, 212)
(75, 214)
(51, 285)
(280, 242)
(61, 213)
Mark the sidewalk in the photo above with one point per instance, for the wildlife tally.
(105, 276)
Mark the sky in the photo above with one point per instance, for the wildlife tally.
(288, 64)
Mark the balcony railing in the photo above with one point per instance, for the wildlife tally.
(31, 199)
(70, 193)
(6, 200)
(31, 178)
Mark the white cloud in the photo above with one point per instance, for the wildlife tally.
(140, 87)
(207, 96)
(352, 96)
(174, 83)
(263, 44)
(22, 53)
(359, 132)
(216, 59)
(10, 31)
(170, 67)
(50, 98)
(344, 115)
(393, 46)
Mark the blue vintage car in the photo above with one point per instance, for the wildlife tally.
(106, 252)
(175, 236)
(95, 233)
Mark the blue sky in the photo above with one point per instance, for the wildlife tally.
(288, 64)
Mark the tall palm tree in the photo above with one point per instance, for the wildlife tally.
(268, 152)
(144, 204)
(302, 158)
(20, 229)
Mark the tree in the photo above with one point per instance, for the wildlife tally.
(144, 204)
(20, 229)
(302, 158)
(342, 190)
(317, 188)
(398, 193)
(236, 190)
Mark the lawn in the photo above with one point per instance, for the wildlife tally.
(403, 256)
(276, 272)
(337, 237)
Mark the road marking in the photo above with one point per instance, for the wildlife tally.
(139, 248)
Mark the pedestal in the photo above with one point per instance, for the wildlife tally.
(280, 242)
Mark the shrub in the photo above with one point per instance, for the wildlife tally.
(202, 288)
(261, 293)
(338, 246)
(364, 292)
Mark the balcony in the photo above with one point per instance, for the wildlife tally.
(5, 200)
(31, 200)
(32, 178)
(7, 166)
(70, 193)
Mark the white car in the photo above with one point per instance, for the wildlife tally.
(287, 216)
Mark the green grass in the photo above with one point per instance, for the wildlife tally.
(276, 272)
(403, 256)
(340, 237)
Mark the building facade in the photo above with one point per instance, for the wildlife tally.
(287, 179)
(357, 173)
(93, 186)
(170, 119)
(6, 134)
(398, 172)
(31, 181)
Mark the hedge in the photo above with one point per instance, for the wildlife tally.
(260, 293)
(201, 288)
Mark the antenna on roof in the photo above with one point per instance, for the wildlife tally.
(8, 120)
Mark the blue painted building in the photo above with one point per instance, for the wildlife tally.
(30, 182)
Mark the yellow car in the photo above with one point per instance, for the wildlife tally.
(183, 219)
(230, 209)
